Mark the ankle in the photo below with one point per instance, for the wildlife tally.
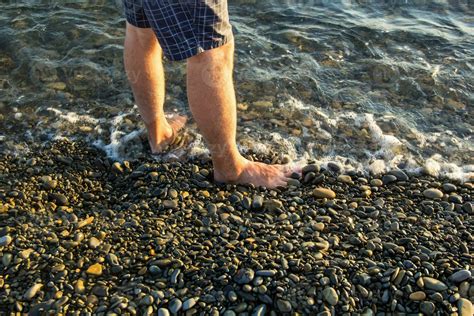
(228, 168)
(158, 131)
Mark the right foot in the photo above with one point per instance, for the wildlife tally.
(259, 174)
(168, 133)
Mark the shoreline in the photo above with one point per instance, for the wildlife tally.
(81, 233)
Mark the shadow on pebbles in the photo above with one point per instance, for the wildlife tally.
(80, 234)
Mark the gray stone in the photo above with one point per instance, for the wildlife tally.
(100, 290)
(175, 305)
(449, 187)
(266, 273)
(189, 303)
(399, 174)
(244, 276)
(284, 306)
(311, 168)
(5, 240)
(7, 259)
(433, 193)
(460, 276)
(257, 202)
(330, 296)
(163, 312)
(428, 308)
(388, 178)
(434, 284)
(170, 204)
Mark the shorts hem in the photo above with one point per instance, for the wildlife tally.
(198, 49)
(142, 25)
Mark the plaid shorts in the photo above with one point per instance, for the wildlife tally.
(184, 28)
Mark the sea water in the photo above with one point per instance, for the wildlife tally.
(371, 85)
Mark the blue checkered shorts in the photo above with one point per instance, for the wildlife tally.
(184, 28)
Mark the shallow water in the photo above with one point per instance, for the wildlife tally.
(372, 85)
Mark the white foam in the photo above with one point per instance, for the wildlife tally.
(390, 151)
(73, 117)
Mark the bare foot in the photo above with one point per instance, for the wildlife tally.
(160, 137)
(259, 174)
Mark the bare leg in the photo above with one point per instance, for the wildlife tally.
(212, 100)
(143, 64)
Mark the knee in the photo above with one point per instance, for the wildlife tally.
(141, 36)
(219, 57)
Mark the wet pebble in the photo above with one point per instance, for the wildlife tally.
(460, 276)
(434, 284)
(322, 193)
(433, 193)
(417, 296)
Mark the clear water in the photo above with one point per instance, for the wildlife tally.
(371, 84)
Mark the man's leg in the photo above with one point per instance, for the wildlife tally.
(143, 64)
(212, 100)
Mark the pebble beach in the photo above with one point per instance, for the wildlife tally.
(81, 234)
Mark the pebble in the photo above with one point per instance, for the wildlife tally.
(60, 199)
(388, 178)
(465, 307)
(324, 193)
(399, 174)
(244, 276)
(5, 240)
(7, 259)
(434, 284)
(460, 276)
(311, 168)
(175, 305)
(260, 310)
(344, 179)
(266, 273)
(376, 182)
(257, 202)
(95, 269)
(428, 308)
(163, 312)
(284, 306)
(330, 296)
(449, 187)
(79, 287)
(170, 204)
(100, 290)
(189, 303)
(94, 242)
(417, 296)
(32, 291)
(116, 167)
(48, 183)
(219, 251)
(272, 205)
(433, 193)
(25, 254)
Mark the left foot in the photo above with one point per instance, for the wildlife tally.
(162, 135)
